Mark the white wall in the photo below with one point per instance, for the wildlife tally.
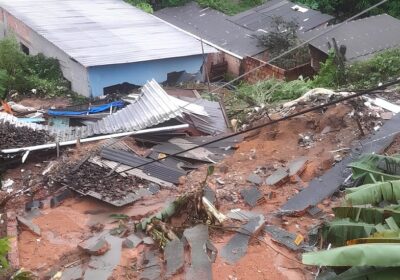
(73, 71)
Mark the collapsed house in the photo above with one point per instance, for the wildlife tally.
(181, 197)
(102, 45)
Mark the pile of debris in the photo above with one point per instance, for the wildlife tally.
(191, 202)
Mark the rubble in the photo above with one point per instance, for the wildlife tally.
(285, 238)
(236, 247)
(29, 225)
(167, 216)
(255, 179)
(18, 137)
(327, 184)
(200, 264)
(151, 267)
(174, 257)
(252, 196)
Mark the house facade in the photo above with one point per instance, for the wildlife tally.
(101, 43)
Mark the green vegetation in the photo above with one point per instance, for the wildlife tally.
(141, 4)
(272, 90)
(230, 7)
(24, 73)
(281, 38)
(343, 9)
(4, 248)
(150, 5)
(359, 75)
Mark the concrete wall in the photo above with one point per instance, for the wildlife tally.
(233, 62)
(317, 57)
(139, 73)
(72, 70)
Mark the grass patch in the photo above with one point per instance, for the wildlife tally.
(230, 7)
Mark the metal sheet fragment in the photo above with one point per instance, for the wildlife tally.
(324, 186)
(151, 266)
(236, 247)
(242, 215)
(200, 267)
(174, 257)
(101, 267)
(252, 196)
(254, 178)
(284, 237)
(29, 225)
(278, 177)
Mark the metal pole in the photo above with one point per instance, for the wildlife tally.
(205, 65)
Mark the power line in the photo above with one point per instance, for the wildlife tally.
(302, 112)
(300, 45)
(262, 65)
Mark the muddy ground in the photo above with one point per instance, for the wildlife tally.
(331, 132)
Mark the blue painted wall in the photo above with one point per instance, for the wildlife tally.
(139, 73)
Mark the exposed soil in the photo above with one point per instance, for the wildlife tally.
(329, 135)
(41, 103)
(267, 153)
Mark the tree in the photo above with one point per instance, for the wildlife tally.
(343, 9)
(280, 38)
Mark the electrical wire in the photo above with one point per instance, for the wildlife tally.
(302, 112)
(260, 66)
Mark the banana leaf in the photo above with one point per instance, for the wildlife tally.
(367, 215)
(338, 232)
(392, 224)
(368, 166)
(369, 273)
(382, 254)
(374, 193)
(387, 236)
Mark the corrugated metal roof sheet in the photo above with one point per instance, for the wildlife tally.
(262, 16)
(103, 32)
(154, 106)
(237, 34)
(154, 169)
(363, 38)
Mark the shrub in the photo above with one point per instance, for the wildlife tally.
(359, 75)
(272, 90)
(230, 7)
(379, 69)
(4, 248)
(328, 76)
(24, 73)
(3, 83)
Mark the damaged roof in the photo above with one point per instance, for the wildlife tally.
(363, 38)
(237, 34)
(103, 32)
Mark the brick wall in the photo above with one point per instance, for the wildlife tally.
(271, 71)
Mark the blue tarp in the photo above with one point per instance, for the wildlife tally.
(91, 110)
